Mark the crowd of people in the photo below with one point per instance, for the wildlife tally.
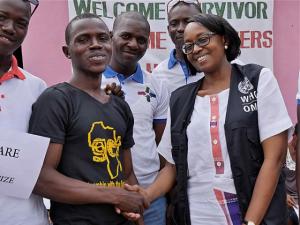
(179, 146)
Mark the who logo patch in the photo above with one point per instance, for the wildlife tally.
(245, 86)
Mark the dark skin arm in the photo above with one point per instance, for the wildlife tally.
(274, 151)
(159, 130)
(132, 180)
(162, 184)
(58, 187)
(128, 168)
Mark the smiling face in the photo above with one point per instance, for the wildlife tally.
(14, 20)
(89, 47)
(177, 21)
(207, 58)
(130, 42)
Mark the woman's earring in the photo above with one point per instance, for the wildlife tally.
(226, 47)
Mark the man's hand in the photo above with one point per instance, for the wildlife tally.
(129, 216)
(139, 189)
(132, 202)
(132, 216)
(114, 89)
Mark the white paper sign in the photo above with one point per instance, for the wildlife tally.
(21, 159)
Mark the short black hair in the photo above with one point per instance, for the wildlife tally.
(28, 6)
(220, 26)
(197, 6)
(132, 15)
(76, 18)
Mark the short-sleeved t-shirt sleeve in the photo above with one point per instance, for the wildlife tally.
(273, 117)
(163, 101)
(128, 140)
(49, 115)
(165, 147)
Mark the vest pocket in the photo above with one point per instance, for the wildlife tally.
(244, 146)
(255, 148)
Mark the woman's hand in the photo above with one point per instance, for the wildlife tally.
(290, 201)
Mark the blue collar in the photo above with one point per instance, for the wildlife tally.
(137, 76)
(172, 60)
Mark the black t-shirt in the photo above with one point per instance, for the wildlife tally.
(94, 136)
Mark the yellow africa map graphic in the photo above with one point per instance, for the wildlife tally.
(105, 150)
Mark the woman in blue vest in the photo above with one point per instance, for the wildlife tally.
(226, 135)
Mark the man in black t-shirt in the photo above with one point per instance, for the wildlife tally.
(88, 160)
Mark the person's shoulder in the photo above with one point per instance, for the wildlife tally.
(32, 84)
(59, 87)
(119, 104)
(58, 91)
(163, 65)
(118, 101)
(237, 61)
(148, 77)
(155, 82)
(251, 70)
(30, 76)
(267, 76)
(182, 93)
(186, 88)
(259, 70)
(248, 66)
(32, 79)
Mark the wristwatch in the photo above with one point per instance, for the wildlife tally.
(248, 222)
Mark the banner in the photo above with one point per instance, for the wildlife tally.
(21, 159)
(252, 19)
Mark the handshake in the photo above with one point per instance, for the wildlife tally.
(132, 201)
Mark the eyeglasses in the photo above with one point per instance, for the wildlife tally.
(202, 41)
(35, 3)
(172, 3)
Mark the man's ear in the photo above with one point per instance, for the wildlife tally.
(168, 28)
(65, 50)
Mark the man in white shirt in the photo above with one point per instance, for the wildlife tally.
(147, 98)
(176, 71)
(18, 91)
